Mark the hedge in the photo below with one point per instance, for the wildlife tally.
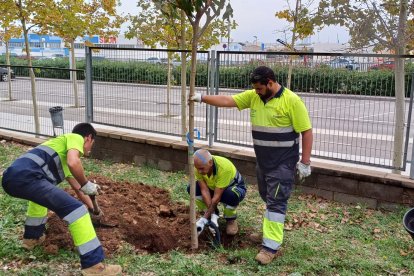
(321, 79)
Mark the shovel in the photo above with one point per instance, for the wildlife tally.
(99, 222)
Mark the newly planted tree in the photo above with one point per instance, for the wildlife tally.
(200, 14)
(383, 26)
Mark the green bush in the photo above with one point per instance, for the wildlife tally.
(321, 79)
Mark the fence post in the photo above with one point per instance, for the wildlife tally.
(211, 90)
(88, 85)
(408, 129)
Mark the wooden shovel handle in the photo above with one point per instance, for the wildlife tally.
(95, 205)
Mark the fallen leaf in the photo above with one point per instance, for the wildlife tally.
(403, 253)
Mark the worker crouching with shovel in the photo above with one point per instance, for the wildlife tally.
(34, 176)
(217, 180)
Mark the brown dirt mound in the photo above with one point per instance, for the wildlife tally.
(142, 216)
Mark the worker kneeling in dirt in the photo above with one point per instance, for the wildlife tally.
(217, 180)
(35, 175)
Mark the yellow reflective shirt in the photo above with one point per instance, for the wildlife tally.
(62, 144)
(286, 110)
(223, 173)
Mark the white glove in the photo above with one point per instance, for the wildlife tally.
(303, 171)
(197, 97)
(201, 223)
(214, 219)
(90, 188)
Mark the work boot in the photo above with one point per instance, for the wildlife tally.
(102, 269)
(265, 257)
(29, 244)
(231, 227)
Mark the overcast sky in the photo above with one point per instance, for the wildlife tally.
(257, 18)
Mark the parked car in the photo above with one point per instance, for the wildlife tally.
(174, 62)
(344, 63)
(154, 60)
(56, 56)
(386, 65)
(4, 76)
(26, 57)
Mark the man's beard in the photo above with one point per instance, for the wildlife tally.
(267, 95)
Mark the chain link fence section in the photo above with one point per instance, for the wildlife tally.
(53, 88)
(350, 99)
(141, 89)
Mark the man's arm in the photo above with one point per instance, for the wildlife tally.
(219, 100)
(307, 140)
(218, 192)
(75, 166)
(205, 192)
(84, 198)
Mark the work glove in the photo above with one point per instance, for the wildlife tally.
(90, 188)
(214, 219)
(303, 171)
(201, 223)
(197, 97)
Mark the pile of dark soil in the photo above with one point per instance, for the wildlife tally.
(141, 215)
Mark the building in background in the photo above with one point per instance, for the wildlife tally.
(49, 46)
(40, 46)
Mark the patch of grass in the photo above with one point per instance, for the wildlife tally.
(321, 237)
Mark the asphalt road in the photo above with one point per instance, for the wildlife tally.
(353, 128)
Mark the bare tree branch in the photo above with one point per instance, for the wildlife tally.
(382, 21)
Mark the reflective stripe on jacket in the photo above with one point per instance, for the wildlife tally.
(48, 160)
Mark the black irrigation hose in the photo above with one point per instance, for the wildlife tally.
(216, 238)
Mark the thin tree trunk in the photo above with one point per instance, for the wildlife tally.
(400, 90)
(9, 88)
(194, 236)
(31, 72)
(183, 80)
(295, 21)
(169, 85)
(73, 73)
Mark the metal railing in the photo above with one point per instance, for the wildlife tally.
(141, 88)
(53, 88)
(350, 99)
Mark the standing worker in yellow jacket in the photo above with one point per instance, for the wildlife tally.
(278, 117)
(35, 175)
